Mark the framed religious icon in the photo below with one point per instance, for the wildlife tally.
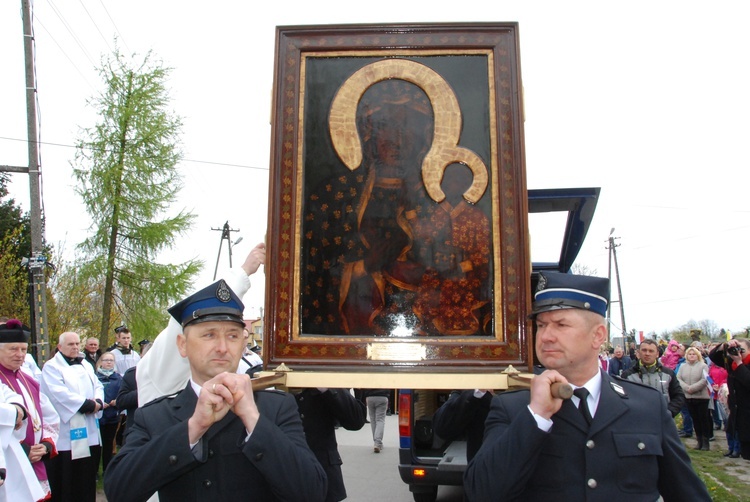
(398, 230)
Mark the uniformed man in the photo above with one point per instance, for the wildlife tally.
(216, 439)
(463, 415)
(617, 441)
(162, 371)
(322, 411)
(143, 346)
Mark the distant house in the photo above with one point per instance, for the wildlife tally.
(255, 327)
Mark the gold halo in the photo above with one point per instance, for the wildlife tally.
(444, 150)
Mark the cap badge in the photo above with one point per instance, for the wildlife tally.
(223, 294)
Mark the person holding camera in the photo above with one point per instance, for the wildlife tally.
(734, 356)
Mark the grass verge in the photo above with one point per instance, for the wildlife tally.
(720, 474)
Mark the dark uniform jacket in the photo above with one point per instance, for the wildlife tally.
(274, 464)
(463, 415)
(127, 398)
(320, 413)
(631, 451)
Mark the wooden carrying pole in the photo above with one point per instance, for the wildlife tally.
(381, 380)
(285, 378)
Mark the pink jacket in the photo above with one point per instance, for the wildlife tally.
(671, 357)
(718, 374)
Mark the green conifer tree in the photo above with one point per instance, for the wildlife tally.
(126, 168)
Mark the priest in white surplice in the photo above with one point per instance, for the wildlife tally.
(40, 432)
(77, 394)
(19, 480)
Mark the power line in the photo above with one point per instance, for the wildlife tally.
(36, 20)
(72, 34)
(696, 209)
(704, 295)
(119, 35)
(95, 26)
(214, 163)
(225, 164)
(39, 142)
(611, 324)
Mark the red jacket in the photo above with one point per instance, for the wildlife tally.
(718, 374)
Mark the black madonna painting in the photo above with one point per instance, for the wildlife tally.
(399, 195)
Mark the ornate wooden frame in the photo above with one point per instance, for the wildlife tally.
(470, 75)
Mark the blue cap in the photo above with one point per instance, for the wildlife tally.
(557, 291)
(217, 302)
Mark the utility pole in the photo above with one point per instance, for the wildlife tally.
(226, 233)
(613, 255)
(37, 261)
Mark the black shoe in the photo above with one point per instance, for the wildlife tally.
(728, 454)
(711, 438)
(684, 434)
(735, 454)
(699, 445)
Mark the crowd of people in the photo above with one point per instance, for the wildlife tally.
(89, 419)
(614, 438)
(706, 384)
(65, 419)
(179, 418)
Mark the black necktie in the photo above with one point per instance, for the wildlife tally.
(582, 393)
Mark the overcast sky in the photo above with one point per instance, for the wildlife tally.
(647, 100)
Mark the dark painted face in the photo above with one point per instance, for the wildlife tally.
(456, 180)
